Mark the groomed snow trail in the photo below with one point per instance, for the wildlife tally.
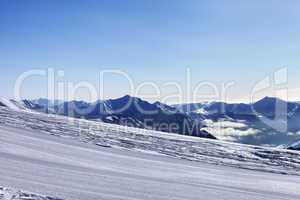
(70, 169)
(82, 160)
(173, 145)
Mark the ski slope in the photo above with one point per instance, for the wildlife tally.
(50, 155)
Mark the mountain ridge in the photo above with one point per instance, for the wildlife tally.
(128, 111)
(237, 122)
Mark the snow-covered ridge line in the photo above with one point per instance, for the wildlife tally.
(13, 194)
(184, 147)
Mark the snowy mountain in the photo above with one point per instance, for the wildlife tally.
(128, 111)
(12, 104)
(295, 146)
(244, 123)
(265, 107)
(240, 123)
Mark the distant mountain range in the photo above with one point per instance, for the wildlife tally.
(128, 111)
(269, 121)
(295, 146)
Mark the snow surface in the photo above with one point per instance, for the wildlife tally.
(10, 104)
(13, 194)
(140, 164)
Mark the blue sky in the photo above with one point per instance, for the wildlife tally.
(150, 40)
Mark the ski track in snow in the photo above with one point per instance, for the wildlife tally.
(139, 165)
(184, 147)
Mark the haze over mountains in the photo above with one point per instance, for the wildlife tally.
(269, 121)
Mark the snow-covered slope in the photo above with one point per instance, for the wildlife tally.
(23, 105)
(14, 105)
(71, 170)
(80, 160)
(179, 146)
(13, 194)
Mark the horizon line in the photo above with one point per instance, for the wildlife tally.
(152, 102)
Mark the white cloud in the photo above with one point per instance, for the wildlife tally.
(229, 130)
